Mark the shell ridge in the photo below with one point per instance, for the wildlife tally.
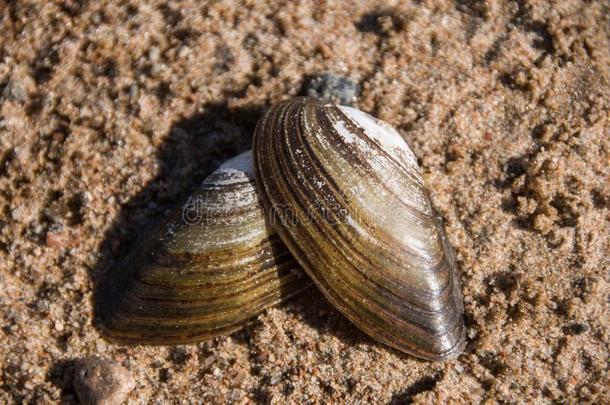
(375, 147)
(407, 209)
(416, 254)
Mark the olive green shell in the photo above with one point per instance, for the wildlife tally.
(346, 196)
(208, 270)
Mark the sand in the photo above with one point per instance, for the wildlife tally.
(111, 113)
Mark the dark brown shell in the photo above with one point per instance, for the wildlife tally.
(212, 267)
(345, 194)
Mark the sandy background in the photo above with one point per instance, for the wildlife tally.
(112, 111)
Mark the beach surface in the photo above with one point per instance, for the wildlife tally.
(112, 112)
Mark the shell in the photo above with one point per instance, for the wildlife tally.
(208, 270)
(346, 196)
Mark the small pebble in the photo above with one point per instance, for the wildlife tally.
(59, 326)
(154, 53)
(217, 372)
(57, 239)
(15, 91)
(332, 88)
(99, 381)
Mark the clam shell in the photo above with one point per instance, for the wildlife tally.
(208, 270)
(346, 196)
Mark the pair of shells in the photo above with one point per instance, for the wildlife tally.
(327, 189)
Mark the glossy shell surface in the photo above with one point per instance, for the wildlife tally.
(208, 270)
(345, 193)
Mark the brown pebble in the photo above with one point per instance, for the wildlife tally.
(59, 239)
(100, 381)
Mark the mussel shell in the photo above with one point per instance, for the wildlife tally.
(346, 196)
(207, 271)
